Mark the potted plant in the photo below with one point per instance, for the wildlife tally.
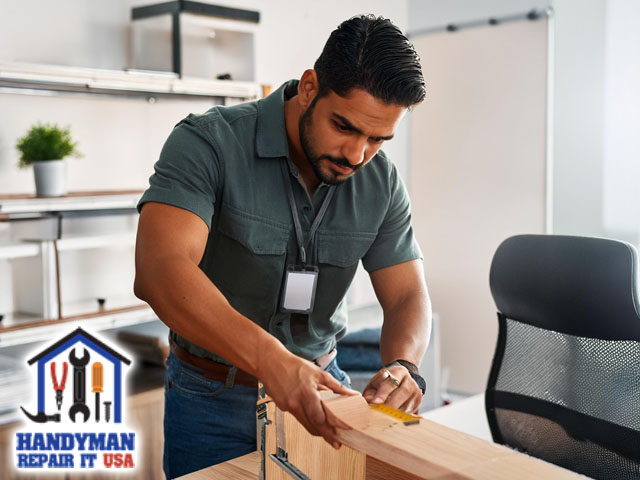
(45, 146)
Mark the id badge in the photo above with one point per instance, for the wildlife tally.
(299, 290)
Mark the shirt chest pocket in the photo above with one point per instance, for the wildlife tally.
(343, 249)
(246, 260)
(338, 257)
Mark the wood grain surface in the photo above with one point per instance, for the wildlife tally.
(432, 451)
(241, 468)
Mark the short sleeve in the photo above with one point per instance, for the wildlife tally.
(187, 173)
(395, 242)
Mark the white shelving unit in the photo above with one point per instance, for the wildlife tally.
(81, 201)
(40, 231)
(22, 250)
(43, 232)
(29, 78)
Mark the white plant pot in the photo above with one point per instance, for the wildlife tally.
(50, 178)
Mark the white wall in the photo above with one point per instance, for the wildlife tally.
(121, 139)
(426, 14)
(596, 105)
(597, 119)
(475, 181)
(578, 117)
(68, 32)
(621, 172)
(464, 214)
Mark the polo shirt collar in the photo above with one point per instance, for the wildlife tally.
(271, 131)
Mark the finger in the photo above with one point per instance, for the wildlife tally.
(329, 434)
(385, 389)
(399, 396)
(379, 378)
(406, 406)
(316, 414)
(302, 418)
(333, 420)
(411, 406)
(369, 393)
(373, 385)
(412, 403)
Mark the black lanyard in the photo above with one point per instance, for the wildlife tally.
(302, 244)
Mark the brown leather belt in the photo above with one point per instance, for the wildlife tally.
(214, 370)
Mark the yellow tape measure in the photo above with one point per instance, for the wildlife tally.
(406, 418)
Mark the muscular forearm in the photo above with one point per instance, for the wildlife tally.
(186, 300)
(406, 329)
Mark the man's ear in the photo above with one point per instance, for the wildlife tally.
(307, 88)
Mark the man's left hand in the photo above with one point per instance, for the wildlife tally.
(406, 396)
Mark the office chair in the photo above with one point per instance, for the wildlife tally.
(565, 380)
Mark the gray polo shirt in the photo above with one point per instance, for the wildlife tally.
(225, 167)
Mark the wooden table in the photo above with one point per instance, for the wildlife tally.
(246, 467)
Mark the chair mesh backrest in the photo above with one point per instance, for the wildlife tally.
(565, 379)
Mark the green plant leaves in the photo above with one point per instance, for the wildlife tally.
(46, 142)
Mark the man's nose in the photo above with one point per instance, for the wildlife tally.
(354, 151)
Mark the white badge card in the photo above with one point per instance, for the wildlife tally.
(299, 290)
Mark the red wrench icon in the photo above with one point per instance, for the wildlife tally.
(59, 387)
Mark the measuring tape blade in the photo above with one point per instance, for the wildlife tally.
(406, 418)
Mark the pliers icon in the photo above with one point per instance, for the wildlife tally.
(59, 387)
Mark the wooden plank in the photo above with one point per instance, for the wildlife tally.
(242, 468)
(430, 450)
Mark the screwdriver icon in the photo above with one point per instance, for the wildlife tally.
(96, 383)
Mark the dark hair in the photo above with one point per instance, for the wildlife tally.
(371, 53)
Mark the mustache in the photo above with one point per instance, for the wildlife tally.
(340, 161)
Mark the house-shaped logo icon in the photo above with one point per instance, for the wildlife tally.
(76, 377)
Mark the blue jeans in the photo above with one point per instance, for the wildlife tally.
(207, 423)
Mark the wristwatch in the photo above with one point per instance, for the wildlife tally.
(413, 371)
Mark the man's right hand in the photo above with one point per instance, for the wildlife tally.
(293, 383)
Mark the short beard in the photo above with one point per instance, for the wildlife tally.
(305, 127)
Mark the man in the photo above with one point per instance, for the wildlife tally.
(251, 231)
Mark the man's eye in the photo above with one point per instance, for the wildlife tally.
(342, 128)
